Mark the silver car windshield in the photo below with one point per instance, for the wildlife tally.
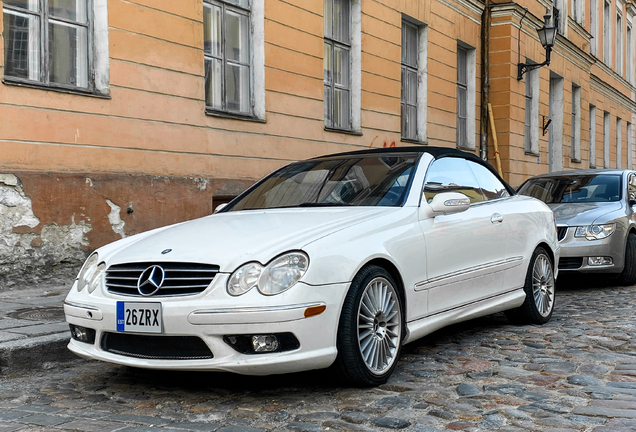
(357, 181)
(574, 189)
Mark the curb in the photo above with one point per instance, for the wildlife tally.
(35, 354)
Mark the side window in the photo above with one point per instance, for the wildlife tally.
(491, 187)
(631, 187)
(452, 175)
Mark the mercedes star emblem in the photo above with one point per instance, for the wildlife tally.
(151, 280)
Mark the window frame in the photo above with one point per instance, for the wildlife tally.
(44, 52)
(406, 69)
(329, 40)
(531, 127)
(224, 111)
(619, 42)
(592, 137)
(575, 151)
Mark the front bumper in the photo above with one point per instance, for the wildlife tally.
(213, 315)
(575, 252)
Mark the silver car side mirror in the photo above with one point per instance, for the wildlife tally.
(446, 203)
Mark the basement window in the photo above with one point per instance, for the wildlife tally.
(50, 43)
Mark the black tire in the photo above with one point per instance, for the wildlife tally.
(628, 275)
(385, 333)
(539, 287)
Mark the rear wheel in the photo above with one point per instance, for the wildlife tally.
(628, 275)
(539, 288)
(370, 329)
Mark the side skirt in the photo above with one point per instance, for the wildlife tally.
(502, 302)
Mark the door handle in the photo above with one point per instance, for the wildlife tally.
(496, 218)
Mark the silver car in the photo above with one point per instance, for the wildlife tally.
(594, 214)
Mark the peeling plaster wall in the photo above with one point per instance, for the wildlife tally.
(25, 242)
(53, 219)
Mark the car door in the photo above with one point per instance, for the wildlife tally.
(464, 249)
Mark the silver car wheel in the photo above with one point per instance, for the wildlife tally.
(543, 285)
(379, 325)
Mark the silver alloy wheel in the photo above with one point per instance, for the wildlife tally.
(379, 325)
(543, 285)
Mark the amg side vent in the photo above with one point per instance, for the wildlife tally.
(562, 232)
(156, 347)
(180, 278)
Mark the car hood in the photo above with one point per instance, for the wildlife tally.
(233, 238)
(581, 214)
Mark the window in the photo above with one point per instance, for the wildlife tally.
(594, 27)
(337, 60)
(576, 123)
(560, 16)
(630, 147)
(451, 174)
(490, 185)
(465, 97)
(606, 139)
(577, 11)
(47, 42)
(531, 137)
(619, 44)
(631, 187)
(607, 57)
(628, 54)
(410, 45)
(227, 56)
(592, 136)
(619, 143)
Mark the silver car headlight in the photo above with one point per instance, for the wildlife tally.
(244, 278)
(595, 232)
(96, 278)
(282, 273)
(276, 277)
(87, 272)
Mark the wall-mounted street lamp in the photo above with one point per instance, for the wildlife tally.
(547, 36)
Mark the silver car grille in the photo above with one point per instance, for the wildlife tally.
(180, 278)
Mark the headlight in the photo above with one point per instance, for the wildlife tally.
(96, 278)
(282, 273)
(278, 276)
(87, 271)
(244, 279)
(595, 232)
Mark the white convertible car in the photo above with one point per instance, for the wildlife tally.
(334, 261)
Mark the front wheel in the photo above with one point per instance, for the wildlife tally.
(370, 329)
(539, 288)
(628, 276)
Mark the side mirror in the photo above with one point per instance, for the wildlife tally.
(220, 207)
(447, 203)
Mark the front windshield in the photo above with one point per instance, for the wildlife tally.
(574, 189)
(365, 180)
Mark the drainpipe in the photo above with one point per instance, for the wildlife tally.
(485, 81)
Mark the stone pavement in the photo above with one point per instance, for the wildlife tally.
(577, 373)
(33, 333)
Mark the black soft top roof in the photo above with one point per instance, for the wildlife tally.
(436, 152)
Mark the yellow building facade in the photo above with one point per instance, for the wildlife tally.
(121, 116)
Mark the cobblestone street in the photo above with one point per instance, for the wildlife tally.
(577, 373)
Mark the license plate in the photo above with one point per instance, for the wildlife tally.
(139, 317)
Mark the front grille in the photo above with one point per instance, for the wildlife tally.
(156, 347)
(570, 263)
(181, 278)
(561, 232)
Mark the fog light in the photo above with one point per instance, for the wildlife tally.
(264, 343)
(599, 260)
(82, 334)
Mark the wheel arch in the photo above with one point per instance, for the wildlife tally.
(548, 249)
